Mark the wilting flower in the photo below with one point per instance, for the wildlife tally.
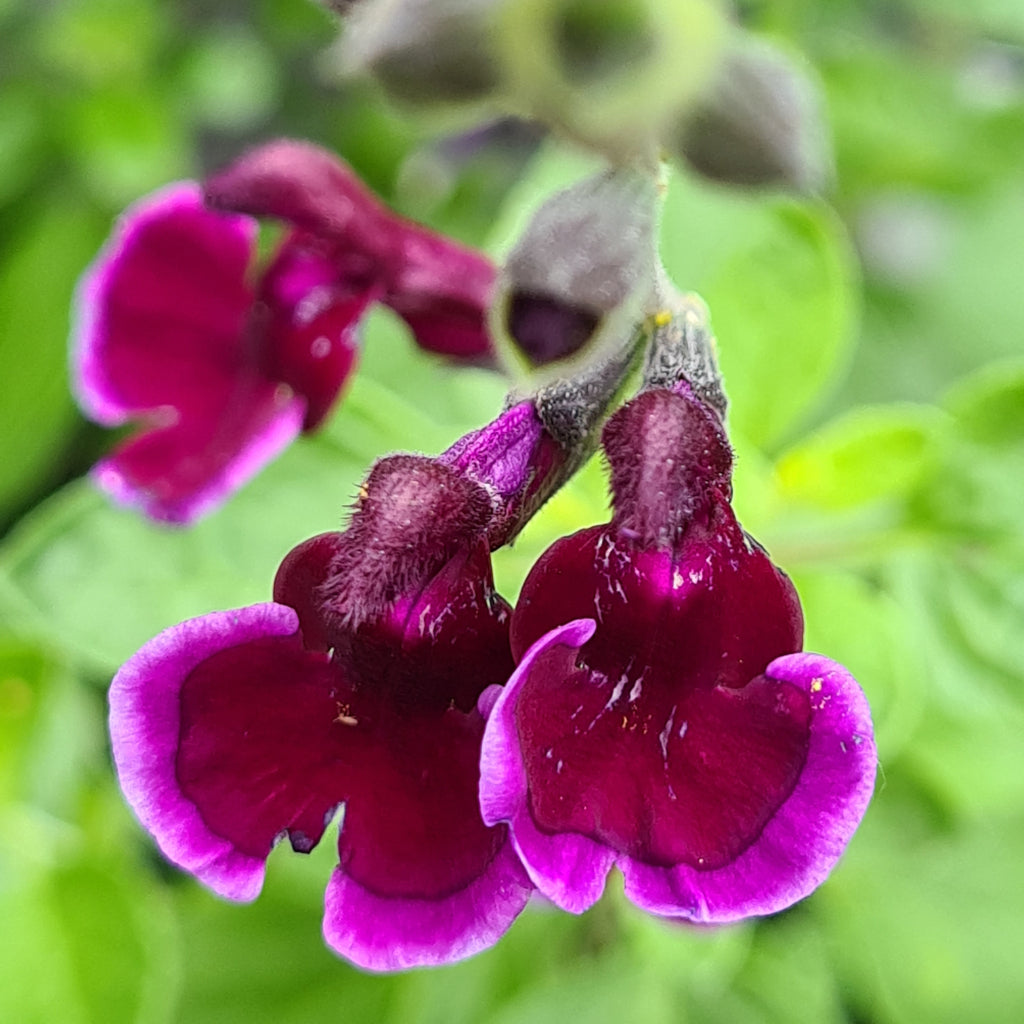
(357, 686)
(661, 717)
(225, 367)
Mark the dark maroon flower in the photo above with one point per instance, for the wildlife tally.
(225, 369)
(660, 717)
(357, 686)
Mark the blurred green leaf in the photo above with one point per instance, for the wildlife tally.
(432, 389)
(22, 139)
(989, 405)
(865, 629)
(961, 311)
(927, 927)
(230, 80)
(125, 142)
(973, 489)
(903, 118)
(867, 455)
(50, 732)
(98, 41)
(84, 940)
(996, 17)
(789, 975)
(37, 276)
(780, 281)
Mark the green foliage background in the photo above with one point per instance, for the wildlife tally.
(872, 352)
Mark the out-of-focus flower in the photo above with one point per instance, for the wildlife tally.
(225, 367)
(661, 717)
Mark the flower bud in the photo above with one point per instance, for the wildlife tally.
(575, 282)
(608, 74)
(424, 51)
(760, 123)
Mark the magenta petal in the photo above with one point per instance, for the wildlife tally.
(298, 581)
(145, 730)
(160, 313)
(381, 933)
(306, 330)
(442, 290)
(306, 186)
(568, 869)
(179, 472)
(792, 853)
(804, 839)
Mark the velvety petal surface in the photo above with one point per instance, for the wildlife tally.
(275, 745)
(739, 805)
(568, 868)
(384, 934)
(802, 842)
(442, 290)
(146, 728)
(266, 733)
(307, 186)
(713, 611)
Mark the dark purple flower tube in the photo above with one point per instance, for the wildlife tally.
(223, 369)
(661, 717)
(357, 687)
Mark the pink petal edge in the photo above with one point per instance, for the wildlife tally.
(144, 732)
(87, 376)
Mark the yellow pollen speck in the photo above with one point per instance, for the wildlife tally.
(343, 716)
(662, 317)
(815, 685)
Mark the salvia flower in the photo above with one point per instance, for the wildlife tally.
(357, 687)
(224, 367)
(661, 717)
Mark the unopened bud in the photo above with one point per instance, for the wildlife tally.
(574, 285)
(759, 124)
(608, 74)
(424, 51)
(339, 7)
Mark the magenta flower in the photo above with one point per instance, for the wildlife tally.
(661, 717)
(224, 367)
(356, 687)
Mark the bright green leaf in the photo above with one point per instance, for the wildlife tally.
(867, 455)
(781, 284)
